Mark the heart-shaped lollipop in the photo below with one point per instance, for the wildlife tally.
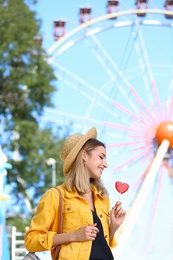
(121, 187)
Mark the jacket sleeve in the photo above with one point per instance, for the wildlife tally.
(113, 243)
(44, 224)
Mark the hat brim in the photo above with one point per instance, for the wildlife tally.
(92, 133)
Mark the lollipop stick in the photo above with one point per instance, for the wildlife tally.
(119, 196)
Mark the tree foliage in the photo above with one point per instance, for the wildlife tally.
(31, 176)
(27, 83)
(25, 77)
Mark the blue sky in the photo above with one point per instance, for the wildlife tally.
(129, 61)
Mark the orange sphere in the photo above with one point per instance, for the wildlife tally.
(165, 131)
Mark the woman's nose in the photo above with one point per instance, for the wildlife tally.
(105, 164)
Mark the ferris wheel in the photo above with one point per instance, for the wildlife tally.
(115, 72)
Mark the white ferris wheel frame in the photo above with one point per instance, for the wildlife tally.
(66, 42)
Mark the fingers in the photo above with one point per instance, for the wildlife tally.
(93, 235)
(94, 225)
(92, 231)
(117, 206)
(118, 210)
(86, 233)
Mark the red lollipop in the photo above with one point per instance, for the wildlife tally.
(121, 187)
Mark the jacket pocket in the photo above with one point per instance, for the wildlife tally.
(71, 218)
(103, 213)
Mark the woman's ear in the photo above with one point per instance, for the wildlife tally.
(84, 155)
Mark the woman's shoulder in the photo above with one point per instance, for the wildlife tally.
(52, 193)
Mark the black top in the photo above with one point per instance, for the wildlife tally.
(100, 249)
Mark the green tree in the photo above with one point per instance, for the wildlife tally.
(31, 176)
(27, 83)
(26, 79)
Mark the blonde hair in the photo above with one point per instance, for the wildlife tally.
(77, 176)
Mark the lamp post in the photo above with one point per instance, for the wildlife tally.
(52, 162)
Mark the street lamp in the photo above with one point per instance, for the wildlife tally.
(52, 162)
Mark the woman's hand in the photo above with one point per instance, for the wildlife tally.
(117, 216)
(82, 234)
(86, 233)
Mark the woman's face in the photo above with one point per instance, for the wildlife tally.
(95, 162)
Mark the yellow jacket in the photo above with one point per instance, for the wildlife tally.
(76, 213)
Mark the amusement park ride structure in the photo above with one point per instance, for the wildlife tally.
(65, 41)
(149, 128)
(112, 7)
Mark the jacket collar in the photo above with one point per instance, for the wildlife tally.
(74, 194)
(96, 192)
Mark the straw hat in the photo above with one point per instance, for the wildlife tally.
(72, 147)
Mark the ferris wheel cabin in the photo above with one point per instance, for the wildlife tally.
(169, 6)
(59, 29)
(85, 14)
(112, 5)
(141, 5)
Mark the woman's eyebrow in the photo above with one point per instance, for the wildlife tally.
(103, 154)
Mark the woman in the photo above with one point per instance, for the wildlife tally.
(88, 224)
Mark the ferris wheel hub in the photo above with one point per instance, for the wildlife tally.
(165, 131)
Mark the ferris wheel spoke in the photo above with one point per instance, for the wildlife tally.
(79, 85)
(102, 57)
(112, 68)
(80, 82)
(169, 101)
(150, 73)
(139, 50)
(158, 104)
(58, 116)
(75, 121)
(156, 115)
(144, 50)
(146, 125)
(129, 162)
(134, 143)
(142, 148)
(142, 176)
(148, 115)
(128, 112)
